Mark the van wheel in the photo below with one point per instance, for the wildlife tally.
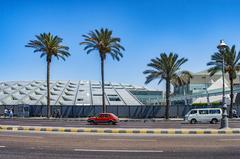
(214, 121)
(193, 121)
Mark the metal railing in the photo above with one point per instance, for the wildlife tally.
(122, 111)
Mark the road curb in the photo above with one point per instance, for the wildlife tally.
(121, 131)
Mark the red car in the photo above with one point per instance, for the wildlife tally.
(108, 118)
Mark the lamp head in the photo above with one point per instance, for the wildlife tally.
(222, 45)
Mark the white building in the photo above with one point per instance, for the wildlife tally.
(83, 92)
(203, 83)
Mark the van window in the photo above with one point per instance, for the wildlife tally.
(203, 111)
(215, 111)
(193, 112)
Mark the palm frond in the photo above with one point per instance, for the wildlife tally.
(166, 67)
(49, 46)
(231, 64)
(103, 41)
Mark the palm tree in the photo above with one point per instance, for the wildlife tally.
(167, 67)
(232, 66)
(49, 46)
(103, 41)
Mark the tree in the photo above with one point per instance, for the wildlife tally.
(103, 41)
(49, 46)
(232, 66)
(166, 67)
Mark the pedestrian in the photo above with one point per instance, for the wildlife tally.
(5, 112)
(11, 113)
(58, 113)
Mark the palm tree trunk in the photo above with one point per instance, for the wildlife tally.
(167, 99)
(48, 90)
(231, 96)
(103, 91)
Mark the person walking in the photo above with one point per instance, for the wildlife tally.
(5, 112)
(11, 113)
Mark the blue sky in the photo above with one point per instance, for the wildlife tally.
(147, 27)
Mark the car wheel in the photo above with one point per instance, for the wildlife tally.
(214, 121)
(111, 123)
(92, 122)
(193, 121)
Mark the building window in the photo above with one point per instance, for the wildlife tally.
(96, 87)
(94, 84)
(97, 94)
(112, 95)
(114, 99)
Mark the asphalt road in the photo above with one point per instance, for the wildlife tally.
(123, 124)
(86, 146)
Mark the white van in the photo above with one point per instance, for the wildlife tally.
(204, 115)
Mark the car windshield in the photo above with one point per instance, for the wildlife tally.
(114, 115)
(193, 112)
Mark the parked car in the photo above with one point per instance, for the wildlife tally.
(108, 118)
(204, 115)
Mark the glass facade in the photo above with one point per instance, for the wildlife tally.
(148, 97)
(190, 88)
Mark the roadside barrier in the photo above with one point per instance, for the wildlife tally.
(121, 130)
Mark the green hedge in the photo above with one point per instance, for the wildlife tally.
(205, 104)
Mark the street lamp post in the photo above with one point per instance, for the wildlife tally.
(224, 122)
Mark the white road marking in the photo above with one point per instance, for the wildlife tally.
(129, 151)
(140, 140)
(24, 136)
(2, 146)
(38, 124)
(229, 139)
